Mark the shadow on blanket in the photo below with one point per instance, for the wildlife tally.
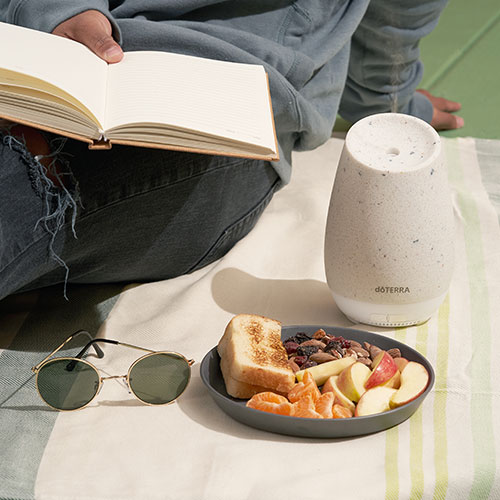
(291, 301)
(33, 324)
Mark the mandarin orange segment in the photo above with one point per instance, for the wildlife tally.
(269, 397)
(305, 407)
(305, 403)
(324, 404)
(306, 413)
(339, 411)
(302, 389)
(271, 403)
(296, 391)
(308, 378)
(282, 409)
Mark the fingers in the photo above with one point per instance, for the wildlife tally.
(445, 105)
(442, 119)
(92, 29)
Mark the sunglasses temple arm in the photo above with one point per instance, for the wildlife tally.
(71, 365)
(98, 350)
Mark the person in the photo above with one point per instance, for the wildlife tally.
(134, 215)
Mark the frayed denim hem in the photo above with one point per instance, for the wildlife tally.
(58, 199)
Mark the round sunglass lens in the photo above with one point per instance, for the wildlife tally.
(159, 378)
(67, 384)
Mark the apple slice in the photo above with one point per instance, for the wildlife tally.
(383, 370)
(414, 380)
(331, 386)
(322, 372)
(401, 363)
(352, 380)
(375, 400)
(394, 381)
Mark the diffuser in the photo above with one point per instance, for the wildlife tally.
(390, 228)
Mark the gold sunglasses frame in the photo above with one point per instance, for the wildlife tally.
(36, 369)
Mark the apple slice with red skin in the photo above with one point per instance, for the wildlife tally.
(331, 386)
(414, 380)
(375, 400)
(352, 380)
(383, 370)
(394, 381)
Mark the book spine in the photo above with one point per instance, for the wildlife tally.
(101, 143)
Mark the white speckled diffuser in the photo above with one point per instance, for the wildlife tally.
(389, 234)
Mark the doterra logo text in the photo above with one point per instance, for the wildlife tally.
(392, 289)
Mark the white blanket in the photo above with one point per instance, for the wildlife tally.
(118, 448)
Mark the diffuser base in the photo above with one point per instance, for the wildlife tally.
(388, 315)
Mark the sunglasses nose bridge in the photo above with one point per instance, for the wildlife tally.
(124, 377)
(124, 380)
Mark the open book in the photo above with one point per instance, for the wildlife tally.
(149, 99)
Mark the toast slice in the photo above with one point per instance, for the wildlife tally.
(236, 388)
(253, 356)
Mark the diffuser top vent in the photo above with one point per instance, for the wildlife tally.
(393, 142)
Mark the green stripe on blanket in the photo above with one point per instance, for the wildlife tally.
(480, 362)
(26, 422)
(440, 394)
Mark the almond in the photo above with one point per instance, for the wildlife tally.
(321, 357)
(374, 350)
(362, 353)
(394, 352)
(314, 342)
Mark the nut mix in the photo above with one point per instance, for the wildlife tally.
(305, 351)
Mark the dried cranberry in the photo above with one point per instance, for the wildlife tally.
(307, 350)
(344, 343)
(300, 360)
(291, 347)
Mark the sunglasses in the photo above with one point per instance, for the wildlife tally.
(71, 383)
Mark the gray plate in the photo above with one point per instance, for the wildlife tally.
(311, 427)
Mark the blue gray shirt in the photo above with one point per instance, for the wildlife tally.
(323, 57)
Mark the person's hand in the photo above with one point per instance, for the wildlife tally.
(94, 30)
(442, 117)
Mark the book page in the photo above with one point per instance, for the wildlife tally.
(63, 63)
(229, 100)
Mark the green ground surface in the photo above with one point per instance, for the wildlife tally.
(462, 62)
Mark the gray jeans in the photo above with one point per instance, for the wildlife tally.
(124, 215)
